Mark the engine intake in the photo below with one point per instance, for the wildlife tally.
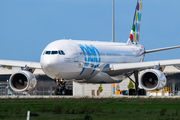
(22, 81)
(152, 79)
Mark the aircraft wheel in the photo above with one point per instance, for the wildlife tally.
(63, 91)
(57, 92)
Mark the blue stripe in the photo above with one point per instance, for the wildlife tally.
(85, 59)
(102, 82)
(97, 52)
(95, 58)
(93, 70)
(82, 70)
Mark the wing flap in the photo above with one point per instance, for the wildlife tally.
(10, 63)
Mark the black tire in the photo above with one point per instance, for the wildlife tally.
(141, 92)
(132, 92)
(63, 91)
(57, 92)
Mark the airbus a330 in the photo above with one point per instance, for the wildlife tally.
(94, 62)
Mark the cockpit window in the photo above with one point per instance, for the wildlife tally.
(54, 52)
(61, 52)
(48, 52)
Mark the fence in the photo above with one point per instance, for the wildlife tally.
(5, 90)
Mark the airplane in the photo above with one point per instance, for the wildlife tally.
(94, 62)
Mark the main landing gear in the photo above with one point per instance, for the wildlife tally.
(136, 91)
(61, 88)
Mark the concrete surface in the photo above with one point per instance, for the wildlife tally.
(119, 96)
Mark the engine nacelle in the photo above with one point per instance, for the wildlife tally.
(152, 79)
(22, 81)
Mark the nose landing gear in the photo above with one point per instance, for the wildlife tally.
(61, 88)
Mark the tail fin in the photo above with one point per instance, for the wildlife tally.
(135, 30)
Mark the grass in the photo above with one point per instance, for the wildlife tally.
(91, 109)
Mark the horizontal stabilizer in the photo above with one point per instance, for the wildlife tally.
(161, 49)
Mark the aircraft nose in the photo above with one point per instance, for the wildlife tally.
(49, 64)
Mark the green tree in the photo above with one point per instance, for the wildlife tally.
(131, 85)
(100, 88)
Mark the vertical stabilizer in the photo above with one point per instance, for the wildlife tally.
(135, 30)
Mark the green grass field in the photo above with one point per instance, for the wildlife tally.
(91, 109)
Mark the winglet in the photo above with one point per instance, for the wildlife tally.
(135, 30)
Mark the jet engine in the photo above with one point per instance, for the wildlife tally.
(22, 81)
(152, 79)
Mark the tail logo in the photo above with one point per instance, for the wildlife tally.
(135, 30)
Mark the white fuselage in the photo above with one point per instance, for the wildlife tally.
(84, 60)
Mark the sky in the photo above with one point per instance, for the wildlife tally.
(28, 26)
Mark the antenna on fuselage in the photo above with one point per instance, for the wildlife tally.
(112, 21)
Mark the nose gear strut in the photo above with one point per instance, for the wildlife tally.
(61, 87)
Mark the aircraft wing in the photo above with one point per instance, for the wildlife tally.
(117, 69)
(10, 63)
